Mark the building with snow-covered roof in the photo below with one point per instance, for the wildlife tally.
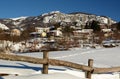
(40, 29)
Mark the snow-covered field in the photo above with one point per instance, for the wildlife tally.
(103, 57)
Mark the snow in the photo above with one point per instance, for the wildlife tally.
(103, 57)
(105, 20)
(3, 27)
(22, 18)
(49, 76)
(16, 23)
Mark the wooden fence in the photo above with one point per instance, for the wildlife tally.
(89, 70)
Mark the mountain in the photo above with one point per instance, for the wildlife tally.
(54, 17)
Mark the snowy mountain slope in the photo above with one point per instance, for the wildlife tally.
(19, 18)
(17, 21)
(79, 17)
(55, 17)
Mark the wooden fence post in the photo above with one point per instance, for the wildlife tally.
(45, 66)
(89, 73)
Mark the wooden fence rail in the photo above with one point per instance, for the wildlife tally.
(53, 62)
(106, 70)
(46, 62)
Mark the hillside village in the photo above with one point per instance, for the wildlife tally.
(57, 31)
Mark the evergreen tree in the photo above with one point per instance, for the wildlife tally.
(95, 26)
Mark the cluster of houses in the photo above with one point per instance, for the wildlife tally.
(37, 40)
(49, 38)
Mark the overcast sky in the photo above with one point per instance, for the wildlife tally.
(17, 8)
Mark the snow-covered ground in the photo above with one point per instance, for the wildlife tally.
(103, 57)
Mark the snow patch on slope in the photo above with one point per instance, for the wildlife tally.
(22, 18)
(3, 27)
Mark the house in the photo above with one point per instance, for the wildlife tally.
(40, 29)
(40, 32)
(106, 30)
(84, 35)
(82, 32)
(57, 33)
